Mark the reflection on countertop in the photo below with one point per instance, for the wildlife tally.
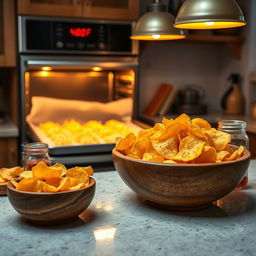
(119, 223)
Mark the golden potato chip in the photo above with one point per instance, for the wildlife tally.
(64, 184)
(26, 174)
(168, 148)
(170, 162)
(201, 123)
(61, 167)
(2, 180)
(208, 155)
(133, 156)
(30, 185)
(190, 148)
(88, 169)
(219, 138)
(126, 143)
(78, 186)
(78, 175)
(152, 158)
(222, 154)
(146, 133)
(54, 181)
(14, 182)
(141, 146)
(233, 156)
(48, 188)
(9, 173)
(43, 172)
(196, 131)
(240, 151)
(166, 122)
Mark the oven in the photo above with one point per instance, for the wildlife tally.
(76, 71)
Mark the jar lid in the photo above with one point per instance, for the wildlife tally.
(231, 125)
(35, 147)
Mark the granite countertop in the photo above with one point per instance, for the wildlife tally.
(118, 223)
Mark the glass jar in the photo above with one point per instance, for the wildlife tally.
(237, 130)
(33, 153)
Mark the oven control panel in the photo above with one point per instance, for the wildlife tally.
(70, 36)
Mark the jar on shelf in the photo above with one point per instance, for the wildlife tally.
(33, 153)
(237, 130)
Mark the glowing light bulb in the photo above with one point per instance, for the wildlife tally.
(46, 68)
(156, 36)
(209, 23)
(97, 68)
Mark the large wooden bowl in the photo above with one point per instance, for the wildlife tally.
(180, 186)
(51, 208)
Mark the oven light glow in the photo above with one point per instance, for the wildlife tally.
(156, 36)
(46, 68)
(209, 23)
(97, 68)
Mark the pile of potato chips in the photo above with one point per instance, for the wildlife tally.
(55, 178)
(6, 174)
(72, 132)
(180, 140)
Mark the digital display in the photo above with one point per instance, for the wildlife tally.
(80, 32)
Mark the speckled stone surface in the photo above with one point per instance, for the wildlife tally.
(118, 223)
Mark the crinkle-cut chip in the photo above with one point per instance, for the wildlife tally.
(219, 138)
(146, 133)
(43, 172)
(61, 167)
(126, 143)
(170, 162)
(88, 169)
(78, 175)
(9, 173)
(221, 155)
(208, 155)
(233, 156)
(2, 180)
(173, 130)
(78, 186)
(190, 148)
(30, 185)
(150, 157)
(168, 148)
(141, 146)
(48, 188)
(26, 174)
(240, 151)
(201, 123)
(196, 131)
(14, 182)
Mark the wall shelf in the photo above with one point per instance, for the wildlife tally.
(234, 43)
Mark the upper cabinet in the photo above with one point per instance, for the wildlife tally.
(111, 9)
(100, 9)
(7, 34)
(65, 8)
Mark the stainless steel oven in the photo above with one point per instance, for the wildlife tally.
(69, 60)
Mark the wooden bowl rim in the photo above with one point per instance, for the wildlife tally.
(245, 156)
(11, 187)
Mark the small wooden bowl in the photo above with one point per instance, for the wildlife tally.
(181, 186)
(51, 208)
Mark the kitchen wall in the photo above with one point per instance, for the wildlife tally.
(205, 64)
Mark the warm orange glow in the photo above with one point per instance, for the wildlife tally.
(44, 73)
(105, 234)
(210, 25)
(46, 68)
(158, 37)
(97, 68)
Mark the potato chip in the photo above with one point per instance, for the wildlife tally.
(43, 172)
(152, 158)
(196, 131)
(61, 167)
(126, 143)
(48, 188)
(203, 124)
(208, 155)
(26, 174)
(170, 162)
(2, 180)
(240, 151)
(141, 146)
(146, 133)
(233, 156)
(219, 138)
(88, 169)
(30, 185)
(64, 184)
(168, 148)
(78, 186)
(78, 175)
(190, 148)
(9, 173)
(222, 154)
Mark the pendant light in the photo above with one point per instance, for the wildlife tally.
(156, 24)
(209, 14)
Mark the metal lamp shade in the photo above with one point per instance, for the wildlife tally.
(156, 25)
(209, 14)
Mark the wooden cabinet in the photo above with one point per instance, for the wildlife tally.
(7, 34)
(8, 152)
(111, 9)
(102, 9)
(65, 8)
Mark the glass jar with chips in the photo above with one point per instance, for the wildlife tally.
(237, 130)
(33, 153)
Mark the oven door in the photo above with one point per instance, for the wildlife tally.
(82, 78)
